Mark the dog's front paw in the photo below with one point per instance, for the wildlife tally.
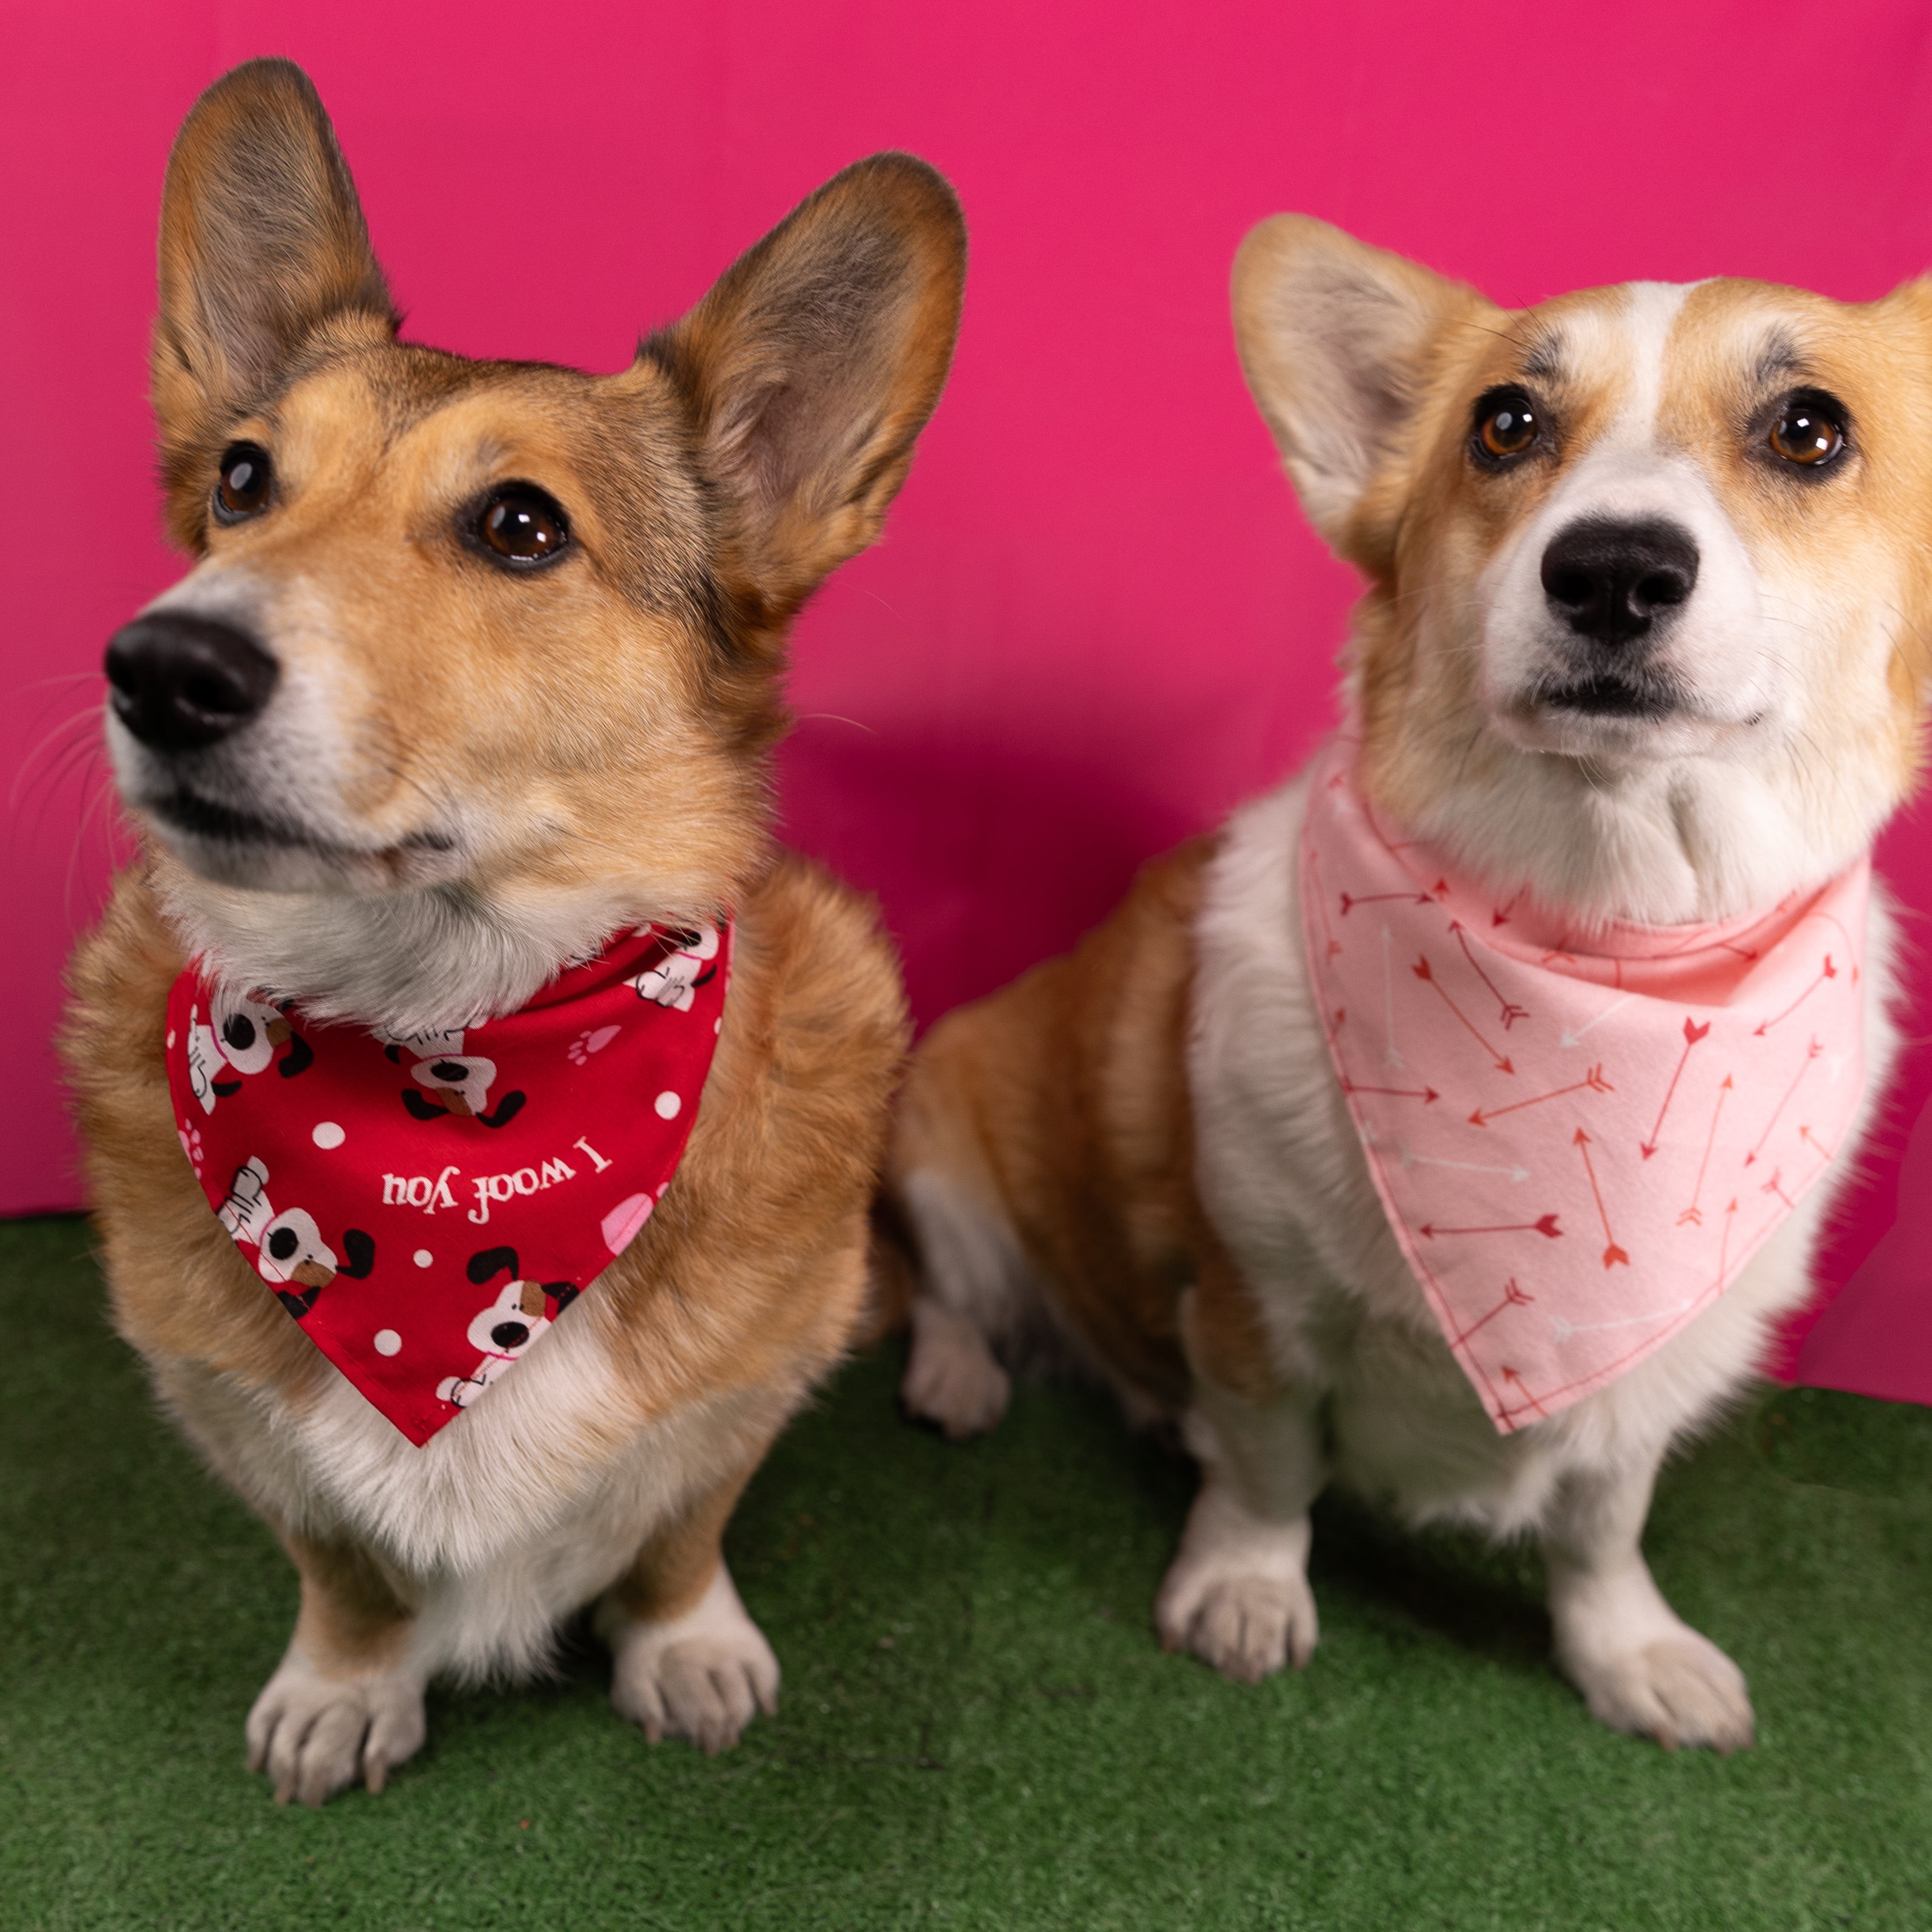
(951, 1377)
(1679, 1688)
(702, 1676)
(314, 1734)
(1247, 1627)
(1237, 1595)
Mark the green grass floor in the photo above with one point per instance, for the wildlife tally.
(978, 1728)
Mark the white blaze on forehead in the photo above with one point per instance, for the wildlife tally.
(1629, 332)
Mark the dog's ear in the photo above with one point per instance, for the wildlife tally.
(262, 242)
(1334, 338)
(814, 363)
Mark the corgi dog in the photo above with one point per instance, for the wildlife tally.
(477, 670)
(1638, 673)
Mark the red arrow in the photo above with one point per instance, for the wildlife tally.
(1422, 970)
(1528, 1400)
(1613, 1254)
(1827, 972)
(1774, 1186)
(1546, 1226)
(1693, 1033)
(1724, 1246)
(1499, 915)
(1376, 899)
(1806, 1134)
(1513, 1297)
(1811, 1053)
(1510, 1012)
(1594, 1080)
(1424, 1094)
(1693, 1213)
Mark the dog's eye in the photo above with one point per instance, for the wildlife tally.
(522, 525)
(1810, 429)
(1507, 423)
(242, 489)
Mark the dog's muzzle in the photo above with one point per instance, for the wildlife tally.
(1615, 588)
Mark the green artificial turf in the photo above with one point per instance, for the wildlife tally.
(978, 1728)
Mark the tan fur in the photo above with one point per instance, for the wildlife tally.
(1143, 1145)
(488, 772)
(1063, 1099)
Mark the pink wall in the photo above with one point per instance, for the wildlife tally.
(1097, 620)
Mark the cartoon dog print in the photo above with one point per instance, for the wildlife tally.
(674, 980)
(457, 1083)
(239, 1037)
(506, 1330)
(290, 1254)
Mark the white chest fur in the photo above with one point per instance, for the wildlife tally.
(1282, 1176)
(528, 1505)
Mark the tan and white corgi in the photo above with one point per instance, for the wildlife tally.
(479, 665)
(1643, 651)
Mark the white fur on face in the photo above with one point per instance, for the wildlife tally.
(1715, 649)
(1760, 781)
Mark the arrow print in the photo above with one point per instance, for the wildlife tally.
(1510, 1011)
(1423, 971)
(1594, 1080)
(1693, 1033)
(1828, 971)
(1546, 1226)
(1693, 1213)
(1811, 1053)
(1613, 1254)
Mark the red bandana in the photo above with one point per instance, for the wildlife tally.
(426, 1206)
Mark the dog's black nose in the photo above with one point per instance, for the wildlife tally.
(181, 682)
(1612, 583)
(508, 1335)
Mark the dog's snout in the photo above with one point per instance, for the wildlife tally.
(1612, 583)
(181, 682)
(508, 1335)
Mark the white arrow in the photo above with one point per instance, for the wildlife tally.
(1564, 1329)
(1571, 1039)
(1411, 1159)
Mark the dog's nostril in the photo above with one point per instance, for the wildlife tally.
(509, 1335)
(181, 683)
(1610, 581)
(1567, 587)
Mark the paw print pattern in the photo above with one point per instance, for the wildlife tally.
(592, 1040)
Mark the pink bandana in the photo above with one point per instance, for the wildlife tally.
(1579, 1139)
(427, 1206)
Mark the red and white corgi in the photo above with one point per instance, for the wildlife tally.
(1639, 671)
(474, 679)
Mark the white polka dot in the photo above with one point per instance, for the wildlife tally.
(422, 1257)
(328, 1134)
(171, 1036)
(717, 1025)
(388, 1342)
(667, 1105)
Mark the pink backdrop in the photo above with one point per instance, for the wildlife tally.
(1097, 620)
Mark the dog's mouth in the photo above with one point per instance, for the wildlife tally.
(1639, 697)
(186, 811)
(234, 832)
